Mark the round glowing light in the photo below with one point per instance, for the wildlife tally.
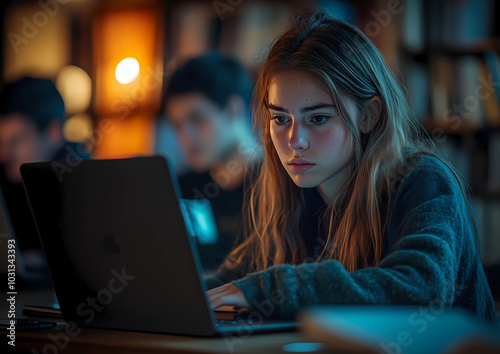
(77, 128)
(127, 70)
(75, 87)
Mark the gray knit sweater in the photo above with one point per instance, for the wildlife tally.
(431, 259)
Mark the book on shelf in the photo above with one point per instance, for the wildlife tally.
(489, 243)
(489, 94)
(466, 101)
(455, 24)
(417, 83)
(413, 26)
(494, 226)
(492, 84)
(493, 165)
(440, 71)
(465, 91)
(458, 153)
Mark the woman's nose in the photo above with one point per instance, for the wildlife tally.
(298, 138)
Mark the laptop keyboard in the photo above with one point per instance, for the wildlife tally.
(240, 321)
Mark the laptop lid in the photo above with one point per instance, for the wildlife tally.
(117, 246)
(11, 260)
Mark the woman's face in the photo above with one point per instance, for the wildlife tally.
(312, 141)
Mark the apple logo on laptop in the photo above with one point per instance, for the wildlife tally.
(109, 244)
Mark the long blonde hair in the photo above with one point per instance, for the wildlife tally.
(347, 63)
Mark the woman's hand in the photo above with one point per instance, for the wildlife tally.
(227, 294)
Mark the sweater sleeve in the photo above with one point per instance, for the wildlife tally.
(424, 238)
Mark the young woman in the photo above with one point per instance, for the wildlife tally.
(353, 203)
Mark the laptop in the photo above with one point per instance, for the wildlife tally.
(29, 269)
(11, 261)
(118, 249)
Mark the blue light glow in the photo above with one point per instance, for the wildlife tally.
(302, 347)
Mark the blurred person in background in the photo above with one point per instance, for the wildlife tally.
(31, 123)
(207, 103)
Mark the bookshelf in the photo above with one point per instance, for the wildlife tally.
(451, 70)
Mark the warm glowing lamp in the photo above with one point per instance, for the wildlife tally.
(127, 70)
(128, 52)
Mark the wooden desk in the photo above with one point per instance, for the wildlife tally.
(91, 340)
(61, 339)
(65, 339)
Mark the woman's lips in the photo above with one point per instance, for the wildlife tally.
(303, 167)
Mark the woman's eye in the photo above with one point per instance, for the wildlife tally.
(280, 120)
(319, 119)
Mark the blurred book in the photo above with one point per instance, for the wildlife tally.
(488, 93)
(417, 84)
(413, 26)
(465, 90)
(398, 329)
(465, 22)
(440, 70)
(460, 156)
(494, 254)
(493, 165)
(465, 100)
(491, 83)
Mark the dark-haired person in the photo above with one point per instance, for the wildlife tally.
(354, 204)
(31, 123)
(207, 103)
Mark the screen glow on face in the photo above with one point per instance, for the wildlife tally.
(311, 139)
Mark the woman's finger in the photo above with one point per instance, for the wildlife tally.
(224, 300)
(217, 289)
